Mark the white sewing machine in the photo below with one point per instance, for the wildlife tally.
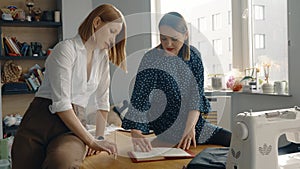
(254, 142)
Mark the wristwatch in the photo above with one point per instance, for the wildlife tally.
(100, 138)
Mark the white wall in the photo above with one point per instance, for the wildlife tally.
(138, 20)
(73, 13)
(137, 16)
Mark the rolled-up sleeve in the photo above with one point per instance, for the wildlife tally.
(101, 95)
(59, 72)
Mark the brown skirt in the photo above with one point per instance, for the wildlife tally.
(44, 141)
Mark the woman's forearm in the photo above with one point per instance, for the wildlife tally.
(192, 119)
(101, 120)
(74, 124)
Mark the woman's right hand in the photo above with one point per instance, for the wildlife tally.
(104, 145)
(140, 142)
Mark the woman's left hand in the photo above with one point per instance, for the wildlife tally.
(189, 135)
(188, 139)
(91, 152)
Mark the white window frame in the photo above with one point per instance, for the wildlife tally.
(155, 6)
(229, 44)
(241, 43)
(229, 14)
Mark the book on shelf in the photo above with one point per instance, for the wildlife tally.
(6, 50)
(160, 153)
(3, 50)
(7, 45)
(24, 49)
(12, 46)
(28, 85)
(34, 77)
(38, 74)
(33, 82)
(17, 43)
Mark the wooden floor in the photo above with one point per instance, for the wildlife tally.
(123, 141)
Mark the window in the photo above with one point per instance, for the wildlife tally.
(206, 31)
(217, 21)
(262, 39)
(202, 25)
(217, 47)
(259, 12)
(270, 37)
(259, 41)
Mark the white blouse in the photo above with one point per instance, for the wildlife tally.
(66, 80)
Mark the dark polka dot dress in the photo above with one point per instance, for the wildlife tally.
(166, 89)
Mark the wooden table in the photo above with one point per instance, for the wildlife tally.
(103, 160)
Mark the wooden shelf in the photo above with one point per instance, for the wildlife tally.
(30, 24)
(17, 92)
(23, 57)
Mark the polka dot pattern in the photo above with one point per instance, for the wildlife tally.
(166, 89)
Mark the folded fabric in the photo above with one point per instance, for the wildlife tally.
(210, 158)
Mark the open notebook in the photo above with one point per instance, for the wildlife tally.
(160, 153)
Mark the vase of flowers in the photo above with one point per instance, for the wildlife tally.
(267, 87)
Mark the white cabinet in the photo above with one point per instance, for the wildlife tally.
(221, 111)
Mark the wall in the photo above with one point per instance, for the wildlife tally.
(73, 13)
(137, 17)
(136, 13)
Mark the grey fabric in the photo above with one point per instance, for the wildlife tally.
(210, 158)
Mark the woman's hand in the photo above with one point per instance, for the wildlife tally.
(189, 136)
(188, 139)
(91, 152)
(102, 145)
(140, 142)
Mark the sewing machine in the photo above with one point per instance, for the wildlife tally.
(254, 142)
